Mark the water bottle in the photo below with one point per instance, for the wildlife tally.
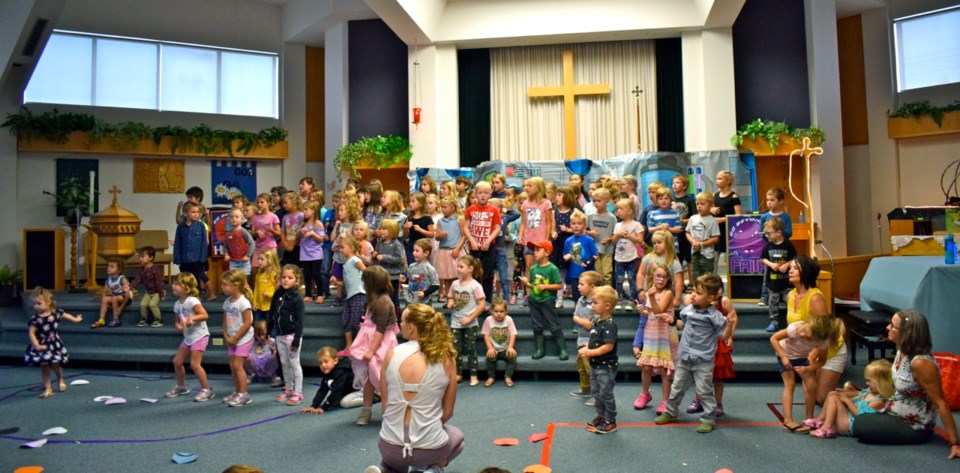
(801, 219)
(950, 250)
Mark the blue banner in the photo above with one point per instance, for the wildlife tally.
(233, 178)
(745, 244)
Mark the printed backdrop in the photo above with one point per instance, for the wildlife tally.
(233, 178)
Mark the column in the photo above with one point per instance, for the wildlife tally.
(436, 140)
(708, 89)
(336, 91)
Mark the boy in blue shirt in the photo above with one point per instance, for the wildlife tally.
(580, 252)
(775, 198)
(664, 217)
(191, 246)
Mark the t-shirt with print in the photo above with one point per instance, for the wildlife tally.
(481, 222)
(548, 274)
(291, 225)
(703, 228)
(343, 230)
(626, 250)
(500, 332)
(602, 333)
(420, 276)
(466, 296)
(603, 224)
(536, 229)
(582, 249)
(233, 313)
(183, 310)
(584, 310)
(778, 253)
(264, 223)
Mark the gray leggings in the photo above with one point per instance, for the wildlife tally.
(392, 459)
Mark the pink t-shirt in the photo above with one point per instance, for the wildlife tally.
(536, 229)
(265, 223)
(795, 346)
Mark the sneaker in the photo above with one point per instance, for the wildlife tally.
(618, 307)
(142, 323)
(240, 400)
(772, 327)
(525, 302)
(276, 383)
(227, 399)
(114, 323)
(364, 417)
(704, 428)
(373, 469)
(156, 323)
(662, 407)
(761, 303)
(590, 402)
(664, 419)
(282, 397)
(695, 406)
(605, 428)
(596, 420)
(513, 299)
(718, 412)
(580, 393)
(204, 395)
(642, 400)
(177, 391)
(297, 398)
(559, 304)
(627, 307)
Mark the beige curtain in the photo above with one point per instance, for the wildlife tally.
(525, 129)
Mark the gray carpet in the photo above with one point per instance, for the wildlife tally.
(138, 436)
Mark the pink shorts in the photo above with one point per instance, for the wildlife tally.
(242, 350)
(199, 345)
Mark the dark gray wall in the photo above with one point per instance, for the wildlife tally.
(378, 81)
(770, 62)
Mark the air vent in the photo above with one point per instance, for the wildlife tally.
(33, 41)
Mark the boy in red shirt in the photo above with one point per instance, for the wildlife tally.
(481, 224)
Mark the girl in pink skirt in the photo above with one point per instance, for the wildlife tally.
(450, 241)
(378, 334)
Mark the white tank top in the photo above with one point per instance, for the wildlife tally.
(425, 430)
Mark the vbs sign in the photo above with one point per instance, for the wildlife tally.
(745, 244)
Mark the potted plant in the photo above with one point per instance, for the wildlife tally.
(9, 284)
(773, 132)
(378, 152)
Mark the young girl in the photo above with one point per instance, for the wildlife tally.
(563, 209)
(393, 207)
(418, 225)
(498, 184)
(262, 363)
(448, 189)
(500, 338)
(45, 347)
(290, 225)
(377, 336)
(268, 272)
(659, 339)
(347, 215)
(428, 185)
(450, 241)
(433, 210)
(116, 293)
(353, 267)
(337, 381)
(390, 255)
(238, 242)
(373, 212)
(725, 202)
(265, 227)
(237, 319)
(307, 184)
(467, 299)
(536, 218)
(793, 346)
(663, 253)
(361, 231)
(191, 321)
(850, 401)
(286, 319)
(627, 240)
(421, 279)
(312, 237)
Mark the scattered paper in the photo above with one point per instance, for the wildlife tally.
(55, 431)
(538, 468)
(102, 398)
(115, 400)
(506, 442)
(534, 438)
(183, 457)
(79, 382)
(151, 400)
(35, 444)
(29, 469)
(724, 470)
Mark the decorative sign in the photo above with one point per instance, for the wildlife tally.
(218, 222)
(745, 244)
(233, 178)
(158, 176)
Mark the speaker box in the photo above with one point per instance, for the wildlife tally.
(43, 263)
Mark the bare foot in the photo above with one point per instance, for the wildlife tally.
(508, 382)
(307, 299)
(320, 300)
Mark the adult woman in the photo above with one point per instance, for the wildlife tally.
(804, 302)
(910, 415)
(414, 431)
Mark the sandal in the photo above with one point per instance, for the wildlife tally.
(508, 382)
(796, 428)
(474, 382)
(489, 382)
(62, 385)
(46, 394)
(823, 433)
(814, 423)
(98, 324)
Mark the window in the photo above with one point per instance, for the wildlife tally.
(84, 69)
(928, 49)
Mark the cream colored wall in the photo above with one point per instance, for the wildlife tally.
(437, 138)
(709, 108)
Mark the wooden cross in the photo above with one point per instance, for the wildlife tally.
(115, 190)
(568, 90)
(636, 94)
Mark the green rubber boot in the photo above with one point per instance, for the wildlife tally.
(538, 351)
(562, 344)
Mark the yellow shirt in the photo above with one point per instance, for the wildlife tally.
(800, 312)
(263, 288)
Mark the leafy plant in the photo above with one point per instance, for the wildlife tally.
(771, 131)
(379, 151)
(52, 126)
(203, 139)
(9, 277)
(72, 195)
(922, 108)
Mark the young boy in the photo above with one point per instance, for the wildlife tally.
(628, 186)
(777, 255)
(195, 196)
(544, 282)
(249, 211)
(685, 205)
(422, 280)
(500, 336)
(152, 279)
(664, 217)
(336, 383)
(775, 197)
(191, 245)
(481, 224)
(507, 216)
(702, 233)
(600, 226)
(701, 323)
(652, 194)
(601, 350)
(580, 252)
(462, 184)
(584, 317)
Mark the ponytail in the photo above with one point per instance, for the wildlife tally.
(435, 341)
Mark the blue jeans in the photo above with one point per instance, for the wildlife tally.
(626, 270)
(502, 271)
(603, 378)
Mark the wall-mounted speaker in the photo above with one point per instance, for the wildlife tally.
(43, 263)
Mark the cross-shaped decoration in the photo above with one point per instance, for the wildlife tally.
(636, 94)
(568, 90)
(807, 152)
(115, 190)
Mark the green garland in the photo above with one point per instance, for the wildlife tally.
(771, 131)
(380, 151)
(920, 109)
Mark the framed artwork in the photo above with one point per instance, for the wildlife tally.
(233, 178)
(158, 176)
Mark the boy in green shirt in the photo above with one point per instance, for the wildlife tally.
(544, 282)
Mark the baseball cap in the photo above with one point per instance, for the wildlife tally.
(546, 245)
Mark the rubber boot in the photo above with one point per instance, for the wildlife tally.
(538, 341)
(562, 345)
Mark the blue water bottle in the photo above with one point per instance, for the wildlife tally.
(950, 250)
